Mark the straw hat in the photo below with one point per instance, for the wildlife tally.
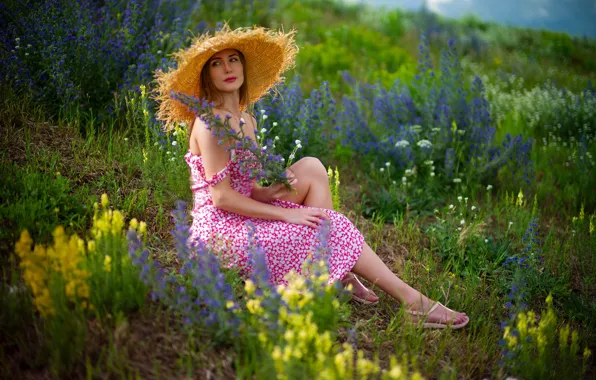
(267, 53)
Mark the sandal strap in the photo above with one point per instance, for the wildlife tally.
(422, 313)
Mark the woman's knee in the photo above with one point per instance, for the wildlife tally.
(312, 166)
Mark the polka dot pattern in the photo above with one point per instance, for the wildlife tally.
(286, 245)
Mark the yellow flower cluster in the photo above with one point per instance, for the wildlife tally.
(41, 264)
(109, 222)
(302, 342)
(541, 334)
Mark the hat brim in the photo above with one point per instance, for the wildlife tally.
(267, 55)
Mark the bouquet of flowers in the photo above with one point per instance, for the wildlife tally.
(266, 166)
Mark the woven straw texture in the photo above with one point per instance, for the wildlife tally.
(268, 54)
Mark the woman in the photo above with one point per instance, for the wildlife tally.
(234, 69)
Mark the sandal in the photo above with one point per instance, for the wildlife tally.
(351, 277)
(437, 325)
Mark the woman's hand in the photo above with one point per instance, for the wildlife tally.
(273, 192)
(311, 217)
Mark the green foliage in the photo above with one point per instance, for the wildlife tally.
(543, 348)
(39, 200)
(368, 55)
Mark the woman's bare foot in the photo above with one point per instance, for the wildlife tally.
(435, 314)
(360, 292)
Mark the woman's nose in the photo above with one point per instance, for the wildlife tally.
(227, 67)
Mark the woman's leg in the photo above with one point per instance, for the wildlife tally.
(312, 189)
(370, 266)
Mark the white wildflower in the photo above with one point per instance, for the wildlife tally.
(291, 157)
(451, 206)
(404, 179)
(408, 172)
(424, 144)
(473, 208)
(274, 124)
(298, 142)
(126, 139)
(436, 129)
(298, 146)
(263, 111)
(174, 143)
(486, 240)
(276, 138)
(460, 198)
(168, 152)
(489, 187)
(265, 117)
(402, 144)
(428, 162)
(382, 170)
(456, 180)
(263, 130)
(432, 174)
(159, 52)
(416, 128)
(461, 131)
(388, 164)
(462, 222)
(242, 122)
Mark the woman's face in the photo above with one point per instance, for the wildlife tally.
(225, 70)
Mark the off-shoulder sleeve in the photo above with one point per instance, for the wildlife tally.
(219, 176)
(200, 179)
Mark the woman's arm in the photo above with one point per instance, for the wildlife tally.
(215, 159)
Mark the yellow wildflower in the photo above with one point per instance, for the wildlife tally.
(117, 222)
(276, 354)
(104, 200)
(249, 287)
(142, 228)
(520, 199)
(91, 246)
(522, 324)
(587, 353)
(107, 263)
(254, 307)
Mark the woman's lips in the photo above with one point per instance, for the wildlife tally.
(232, 79)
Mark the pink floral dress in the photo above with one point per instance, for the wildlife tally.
(286, 245)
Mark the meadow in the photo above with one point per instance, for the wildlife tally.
(463, 151)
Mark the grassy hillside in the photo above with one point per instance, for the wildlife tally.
(465, 155)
